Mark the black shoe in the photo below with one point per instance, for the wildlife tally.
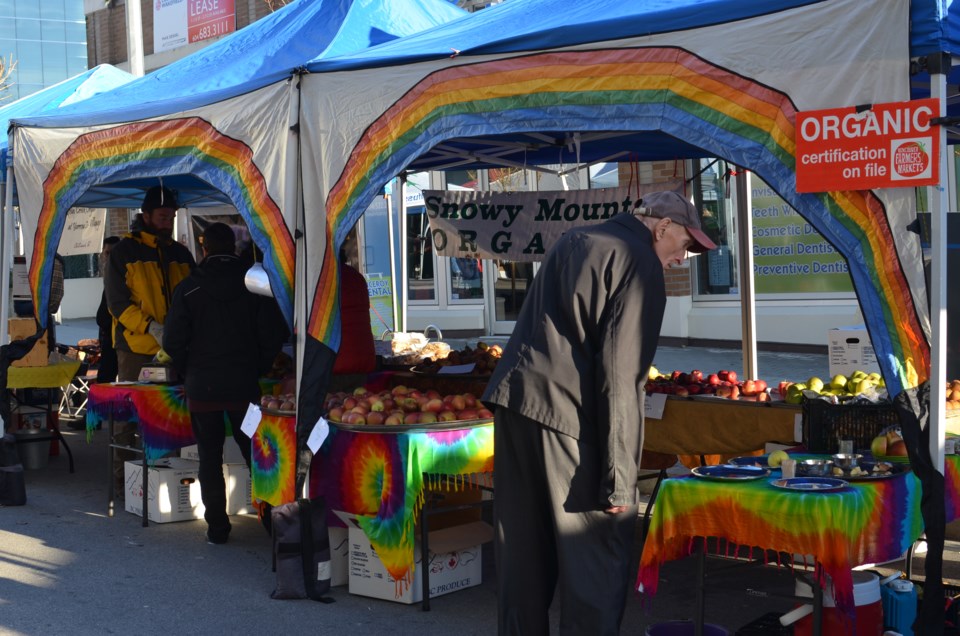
(216, 539)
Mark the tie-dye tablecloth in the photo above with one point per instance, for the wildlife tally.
(380, 477)
(273, 459)
(159, 409)
(867, 522)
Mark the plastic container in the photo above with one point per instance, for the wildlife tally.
(33, 454)
(868, 610)
(683, 628)
(899, 606)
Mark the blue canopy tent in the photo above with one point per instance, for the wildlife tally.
(522, 84)
(70, 91)
(219, 126)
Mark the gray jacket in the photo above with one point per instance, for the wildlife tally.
(584, 341)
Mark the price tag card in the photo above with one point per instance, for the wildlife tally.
(251, 421)
(654, 404)
(318, 435)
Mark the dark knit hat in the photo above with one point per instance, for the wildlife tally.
(160, 197)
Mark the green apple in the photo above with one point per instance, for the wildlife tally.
(815, 384)
(838, 381)
(776, 458)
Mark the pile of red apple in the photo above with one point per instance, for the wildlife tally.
(281, 402)
(401, 405)
(723, 383)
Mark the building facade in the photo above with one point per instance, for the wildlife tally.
(46, 40)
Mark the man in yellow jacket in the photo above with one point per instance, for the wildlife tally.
(144, 269)
(141, 274)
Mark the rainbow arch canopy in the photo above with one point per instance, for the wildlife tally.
(645, 88)
(147, 149)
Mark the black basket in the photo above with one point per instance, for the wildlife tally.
(825, 424)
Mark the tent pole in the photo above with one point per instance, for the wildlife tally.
(404, 273)
(748, 320)
(938, 284)
(6, 255)
(391, 236)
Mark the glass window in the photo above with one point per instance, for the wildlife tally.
(27, 8)
(76, 59)
(30, 62)
(420, 276)
(28, 29)
(53, 10)
(7, 31)
(604, 175)
(54, 63)
(75, 32)
(466, 274)
(717, 273)
(52, 30)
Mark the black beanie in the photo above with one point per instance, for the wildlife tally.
(159, 197)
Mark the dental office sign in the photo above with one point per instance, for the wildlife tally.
(180, 22)
(884, 146)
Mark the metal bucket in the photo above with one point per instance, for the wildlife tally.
(34, 454)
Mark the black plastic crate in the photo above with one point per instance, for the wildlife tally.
(825, 424)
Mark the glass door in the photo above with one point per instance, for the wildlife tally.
(509, 282)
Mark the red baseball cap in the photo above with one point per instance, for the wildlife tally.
(671, 205)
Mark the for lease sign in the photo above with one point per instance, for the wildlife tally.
(884, 146)
(179, 22)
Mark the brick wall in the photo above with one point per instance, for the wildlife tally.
(677, 279)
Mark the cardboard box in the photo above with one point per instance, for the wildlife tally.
(231, 452)
(455, 563)
(31, 417)
(339, 556)
(173, 490)
(850, 350)
(20, 328)
(239, 489)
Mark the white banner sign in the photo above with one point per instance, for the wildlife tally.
(520, 226)
(83, 232)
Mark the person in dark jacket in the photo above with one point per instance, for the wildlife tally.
(568, 419)
(222, 338)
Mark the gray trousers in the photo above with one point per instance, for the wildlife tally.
(551, 534)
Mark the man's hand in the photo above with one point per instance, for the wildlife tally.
(155, 329)
(615, 510)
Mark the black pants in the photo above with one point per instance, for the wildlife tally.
(209, 427)
(551, 536)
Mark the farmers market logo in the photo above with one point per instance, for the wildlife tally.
(911, 158)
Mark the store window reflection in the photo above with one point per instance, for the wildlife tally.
(466, 274)
(512, 281)
(717, 273)
(420, 281)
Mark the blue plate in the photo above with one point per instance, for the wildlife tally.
(750, 460)
(728, 472)
(810, 484)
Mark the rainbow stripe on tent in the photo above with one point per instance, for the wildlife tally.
(655, 88)
(147, 149)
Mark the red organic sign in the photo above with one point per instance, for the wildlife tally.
(884, 146)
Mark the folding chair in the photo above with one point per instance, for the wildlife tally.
(73, 403)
